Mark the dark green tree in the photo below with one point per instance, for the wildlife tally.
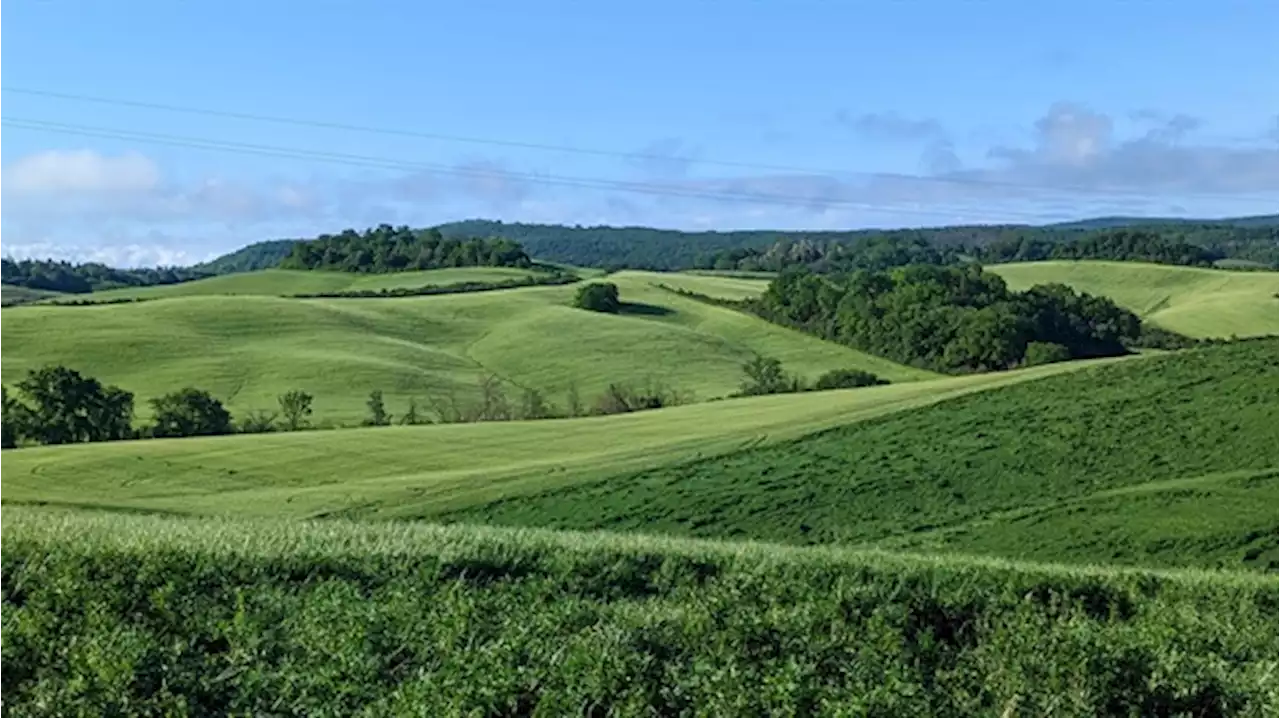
(847, 379)
(63, 407)
(189, 412)
(598, 297)
(14, 412)
(765, 376)
(295, 407)
(411, 416)
(378, 415)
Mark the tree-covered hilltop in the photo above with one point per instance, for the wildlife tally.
(950, 319)
(398, 249)
(61, 276)
(259, 255)
(663, 249)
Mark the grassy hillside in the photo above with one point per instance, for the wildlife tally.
(113, 615)
(11, 295)
(249, 349)
(1191, 301)
(1174, 456)
(284, 282)
(401, 472)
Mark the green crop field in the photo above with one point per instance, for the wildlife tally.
(1189, 300)
(119, 615)
(247, 350)
(406, 471)
(284, 282)
(1167, 430)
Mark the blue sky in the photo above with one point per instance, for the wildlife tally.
(765, 113)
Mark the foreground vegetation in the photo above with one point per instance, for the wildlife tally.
(113, 615)
(1169, 460)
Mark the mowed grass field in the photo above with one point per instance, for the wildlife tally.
(285, 282)
(1189, 300)
(247, 350)
(1166, 460)
(417, 471)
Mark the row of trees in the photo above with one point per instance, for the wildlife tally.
(949, 319)
(765, 375)
(396, 249)
(59, 276)
(58, 405)
(898, 250)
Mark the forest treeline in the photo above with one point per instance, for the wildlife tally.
(60, 276)
(400, 249)
(948, 319)
(489, 243)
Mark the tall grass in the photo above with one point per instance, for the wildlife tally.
(121, 615)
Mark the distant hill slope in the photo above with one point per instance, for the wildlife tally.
(1192, 301)
(285, 282)
(420, 471)
(249, 349)
(668, 249)
(259, 255)
(1168, 460)
(11, 295)
(1263, 220)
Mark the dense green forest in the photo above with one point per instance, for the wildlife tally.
(1253, 239)
(396, 249)
(950, 319)
(59, 276)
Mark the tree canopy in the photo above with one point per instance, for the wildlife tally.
(950, 319)
(396, 249)
(58, 276)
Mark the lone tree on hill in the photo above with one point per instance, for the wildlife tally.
(189, 412)
(598, 297)
(378, 415)
(295, 407)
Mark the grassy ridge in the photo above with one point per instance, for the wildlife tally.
(418, 471)
(285, 282)
(114, 615)
(1191, 301)
(249, 349)
(1058, 446)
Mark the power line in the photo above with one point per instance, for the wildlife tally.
(321, 124)
(448, 170)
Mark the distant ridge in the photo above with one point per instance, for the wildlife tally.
(653, 248)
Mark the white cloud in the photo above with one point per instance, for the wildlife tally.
(58, 172)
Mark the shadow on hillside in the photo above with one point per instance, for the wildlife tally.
(644, 310)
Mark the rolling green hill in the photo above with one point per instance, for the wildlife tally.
(285, 282)
(1175, 457)
(413, 471)
(249, 349)
(1192, 301)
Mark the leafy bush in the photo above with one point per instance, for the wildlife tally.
(189, 412)
(847, 379)
(1044, 353)
(598, 297)
(295, 407)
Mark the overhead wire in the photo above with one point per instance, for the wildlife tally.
(568, 149)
